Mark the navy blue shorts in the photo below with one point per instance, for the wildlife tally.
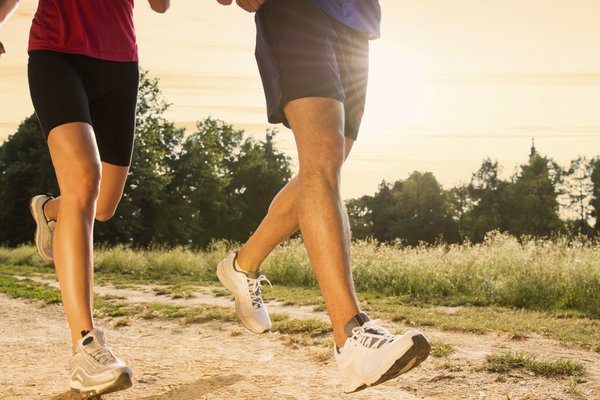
(76, 88)
(303, 52)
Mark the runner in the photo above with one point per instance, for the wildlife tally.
(313, 60)
(83, 79)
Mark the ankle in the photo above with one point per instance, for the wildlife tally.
(244, 264)
(343, 332)
(339, 337)
(48, 211)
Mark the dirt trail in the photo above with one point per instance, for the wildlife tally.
(224, 361)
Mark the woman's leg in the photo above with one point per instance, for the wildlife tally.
(78, 170)
(111, 191)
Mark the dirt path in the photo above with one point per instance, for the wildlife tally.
(223, 361)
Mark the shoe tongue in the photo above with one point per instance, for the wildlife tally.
(93, 340)
(357, 321)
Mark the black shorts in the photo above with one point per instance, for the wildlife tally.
(76, 88)
(303, 52)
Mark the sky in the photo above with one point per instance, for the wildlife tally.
(450, 83)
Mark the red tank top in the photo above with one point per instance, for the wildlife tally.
(95, 28)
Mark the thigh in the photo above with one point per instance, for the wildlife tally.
(113, 98)
(58, 91)
(318, 126)
(74, 156)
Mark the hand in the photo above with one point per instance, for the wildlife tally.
(2, 51)
(248, 5)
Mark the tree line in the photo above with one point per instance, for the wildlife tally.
(540, 200)
(217, 183)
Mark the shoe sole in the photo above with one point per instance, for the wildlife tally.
(40, 234)
(411, 359)
(228, 285)
(123, 382)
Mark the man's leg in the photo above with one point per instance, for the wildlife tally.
(318, 126)
(279, 223)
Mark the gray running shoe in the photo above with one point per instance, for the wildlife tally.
(94, 369)
(246, 289)
(44, 228)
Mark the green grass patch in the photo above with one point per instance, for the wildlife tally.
(28, 289)
(311, 327)
(441, 349)
(507, 362)
(480, 320)
(297, 296)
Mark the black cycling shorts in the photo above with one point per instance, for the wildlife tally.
(303, 52)
(76, 88)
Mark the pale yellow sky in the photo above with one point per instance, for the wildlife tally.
(451, 82)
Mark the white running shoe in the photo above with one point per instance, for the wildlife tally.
(245, 287)
(94, 369)
(371, 355)
(44, 228)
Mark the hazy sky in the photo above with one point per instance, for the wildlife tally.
(451, 82)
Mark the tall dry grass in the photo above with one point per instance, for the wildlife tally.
(559, 274)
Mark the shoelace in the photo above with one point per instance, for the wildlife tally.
(103, 355)
(255, 291)
(371, 335)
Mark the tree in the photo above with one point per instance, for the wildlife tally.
(258, 173)
(198, 199)
(577, 194)
(487, 193)
(594, 167)
(360, 216)
(222, 184)
(533, 199)
(462, 204)
(25, 170)
(414, 210)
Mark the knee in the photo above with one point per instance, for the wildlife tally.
(327, 167)
(83, 187)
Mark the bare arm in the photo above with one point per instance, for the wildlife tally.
(7, 8)
(160, 6)
(248, 5)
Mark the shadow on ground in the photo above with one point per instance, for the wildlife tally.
(196, 389)
(185, 391)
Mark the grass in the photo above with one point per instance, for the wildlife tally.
(480, 320)
(521, 288)
(569, 328)
(552, 275)
(26, 288)
(572, 387)
(305, 331)
(440, 349)
(508, 362)
(541, 275)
